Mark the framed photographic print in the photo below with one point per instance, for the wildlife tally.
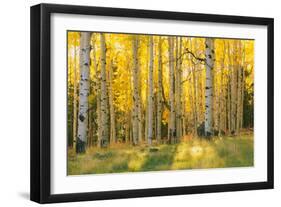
(133, 103)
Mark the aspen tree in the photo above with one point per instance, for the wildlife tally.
(159, 92)
(194, 89)
(135, 73)
(172, 114)
(150, 92)
(104, 105)
(238, 103)
(97, 88)
(210, 55)
(222, 95)
(242, 86)
(84, 92)
(75, 97)
(178, 87)
(111, 105)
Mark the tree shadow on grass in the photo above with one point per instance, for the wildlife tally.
(161, 159)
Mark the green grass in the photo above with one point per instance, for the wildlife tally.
(194, 153)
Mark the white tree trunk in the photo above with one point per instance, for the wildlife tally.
(84, 92)
(150, 92)
(232, 78)
(242, 86)
(146, 93)
(210, 56)
(239, 71)
(135, 90)
(140, 125)
(111, 105)
(234, 90)
(195, 99)
(159, 92)
(180, 107)
(104, 105)
(75, 99)
(97, 91)
(90, 106)
(172, 114)
(229, 104)
(222, 111)
(178, 89)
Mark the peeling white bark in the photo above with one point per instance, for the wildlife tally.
(111, 105)
(84, 92)
(150, 92)
(104, 105)
(159, 92)
(135, 90)
(172, 114)
(75, 97)
(97, 90)
(178, 88)
(210, 56)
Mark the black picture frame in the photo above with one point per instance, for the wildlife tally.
(41, 99)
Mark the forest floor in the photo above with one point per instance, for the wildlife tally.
(190, 153)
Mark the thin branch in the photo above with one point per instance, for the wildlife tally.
(187, 51)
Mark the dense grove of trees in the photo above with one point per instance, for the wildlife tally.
(125, 88)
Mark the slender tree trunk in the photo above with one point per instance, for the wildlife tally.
(215, 100)
(191, 100)
(91, 127)
(191, 90)
(140, 124)
(242, 87)
(184, 116)
(150, 92)
(201, 99)
(90, 113)
(98, 111)
(238, 92)
(159, 92)
(231, 94)
(140, 116)
(225, 104)
(234, 89)
(97, 92)
(84, 92)
(146, 111)
(172, 114)
(135, 114)
(180, 91)
(75, 99)
(178, 88)
(146, 116)
(221, 101)
(194, 92)
(111, 105)
(210, 56)
(127, 127)
(70, 95)
(229, 104)
(104, 105)
(131, 130)
(155, 117)
(176, 74)
(90, 124)
(194, 103)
